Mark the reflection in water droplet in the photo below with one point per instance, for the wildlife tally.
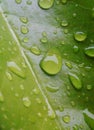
(18, 1)
(46, 4)
(89, 51)
(66, 118)
(52, 62)
(16, 69)
(76, 81)
(1, 97)
(80, 36)
(35, 50)
(24, 29)
(26, 102)
(24, 19)
(52, 89)
(9, 76)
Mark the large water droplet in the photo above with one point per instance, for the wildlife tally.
(52, 89)
(24, 19)
(89, 51)
(66, 118)
(80, 36)
(35, 50)
(64, 23)
(18, 1)
(24, 29)
(46, 4)
(89, 118)
(52, 62)
(16, 69)
(75, 80)
(1, 97)
(26, 102)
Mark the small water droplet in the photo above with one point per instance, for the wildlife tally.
(39, 115)
(24, 19)
(26, 102)
(21, 86)
(66, 31)
(61, 108)
(25, 39)
(52, 62)
(44, 34)
(64, 1)
(38, 100)
(24, 29)
(52, 89)
(64, 23)
(44, 40)
(76, 127)
(69, 65)
(66, 118)
(76, 48)
(73, 103)
(35, 91)
(9, 76)
(80, 36)
(89, 87)
(74, 15)
(13, 67)
(51, 114)
(76, 81)
(18, 1)
(35, 50)
(29, 2)
(46, 4)
(1, 97)
(89, 51)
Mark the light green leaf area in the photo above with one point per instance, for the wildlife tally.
(40, 97)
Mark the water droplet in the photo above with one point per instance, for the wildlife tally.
(69, 65)
(66, 118)
(26, 102)
(76, 81)
(29, 2)
(51, 114)
(52, 89)
(74, 15)
(64, 1)
(9, 76)
(61, 108)
(1, 97)
(73, 103)
(18, 1)
(35, 91)
(46, 4)
(89, 51)
(44, 40)
(16, 69)
(25, 39)
(44, 34)
(89, 87)
(66, 31)
(80, 36)
(89, 118)
(52, 62)
(35, 50)
(64, 23)
(24, 19)
(76, 127)
(76, 48)
(24, 29)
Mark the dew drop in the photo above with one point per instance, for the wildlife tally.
(1, 97)
(89, 118)
(13, 67)
(64, 1)
(69, 65)
(51, 114)
(64, 23)
(35, 91)
(25, 39)
(75, 127)
(24, 19)
(18, 1)
(21, 86)
(46, 4)
(52, 62)
(76, 81)
(76, 48)
(29, 2)
(66, 119)
(89, 87)
(89, 51)
(24, 29)
(44, 40)
(35, 50)
(52, 89)
(26, 102)
(9, 76)
(80, 36)
(38, 100)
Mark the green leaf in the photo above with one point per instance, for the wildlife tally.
(29, 97)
